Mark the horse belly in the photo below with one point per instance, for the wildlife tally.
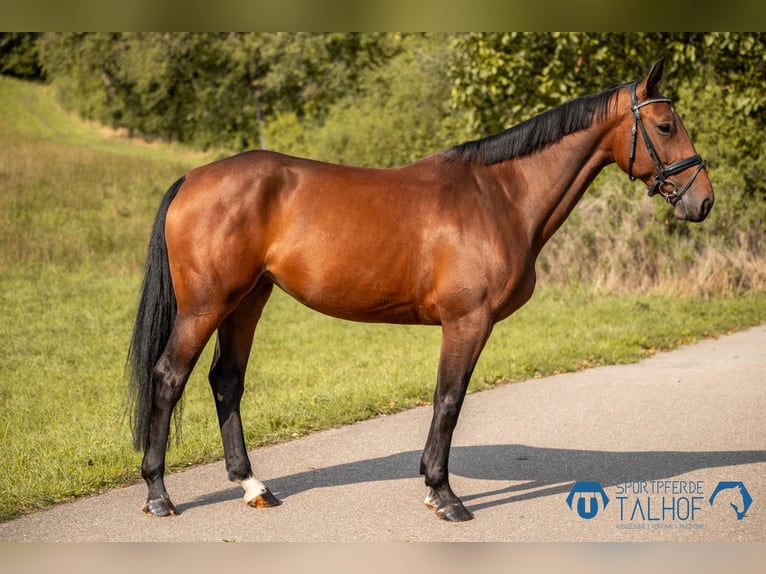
(353, 276)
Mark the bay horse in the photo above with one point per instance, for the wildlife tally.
(448, 240)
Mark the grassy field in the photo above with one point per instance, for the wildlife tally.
(76, 205)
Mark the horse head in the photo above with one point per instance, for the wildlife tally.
(653, 145)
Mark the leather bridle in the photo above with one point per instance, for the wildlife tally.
(661, 183)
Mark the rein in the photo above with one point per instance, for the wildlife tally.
(661, 183)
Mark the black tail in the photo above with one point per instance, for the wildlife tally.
(154, 322)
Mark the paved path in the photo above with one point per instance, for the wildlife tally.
(673, 426)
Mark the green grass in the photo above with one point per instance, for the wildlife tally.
(29, 111)
(75, 214)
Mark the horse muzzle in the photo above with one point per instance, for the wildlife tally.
(686, 210)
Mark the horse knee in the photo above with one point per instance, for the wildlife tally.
(448, 409)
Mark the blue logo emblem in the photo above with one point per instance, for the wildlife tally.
(747, 500)
(589, 510)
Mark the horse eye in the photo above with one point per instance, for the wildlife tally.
(664, 128)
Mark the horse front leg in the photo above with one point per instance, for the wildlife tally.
(462, 343)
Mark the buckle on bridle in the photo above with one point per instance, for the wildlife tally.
(661, 184)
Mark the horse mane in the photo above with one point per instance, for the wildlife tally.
(536, 133)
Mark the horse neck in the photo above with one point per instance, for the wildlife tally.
(553, 180)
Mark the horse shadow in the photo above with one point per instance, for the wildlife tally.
(532, 472)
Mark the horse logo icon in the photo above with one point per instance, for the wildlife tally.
(747, 500)
(584, 489)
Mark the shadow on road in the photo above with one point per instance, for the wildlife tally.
(534, 472)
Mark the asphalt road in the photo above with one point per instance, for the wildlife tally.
(658, 437)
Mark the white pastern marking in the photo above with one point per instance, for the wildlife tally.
(253, 487)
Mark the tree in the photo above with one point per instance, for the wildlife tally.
(18, 55)
(394, 114)
(503, 78)
(209, 89)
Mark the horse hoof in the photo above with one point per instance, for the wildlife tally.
(159, 507)
(455, 512)
(264, 500)
(451, 512)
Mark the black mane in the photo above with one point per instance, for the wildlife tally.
(536, 133)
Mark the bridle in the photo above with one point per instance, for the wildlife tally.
(660, 184)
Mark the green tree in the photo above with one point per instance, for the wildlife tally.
(500, 79)
(210, 89)
(18, 55)
(394, 114)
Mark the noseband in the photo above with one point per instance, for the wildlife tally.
(660, 184)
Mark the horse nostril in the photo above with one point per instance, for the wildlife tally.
(705, 208)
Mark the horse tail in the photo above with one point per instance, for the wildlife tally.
(154, 322)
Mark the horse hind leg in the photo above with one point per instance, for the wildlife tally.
(227, 381)
(188, 338)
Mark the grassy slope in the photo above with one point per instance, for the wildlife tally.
(75, 212)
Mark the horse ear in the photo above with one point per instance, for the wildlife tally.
(654, 79)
